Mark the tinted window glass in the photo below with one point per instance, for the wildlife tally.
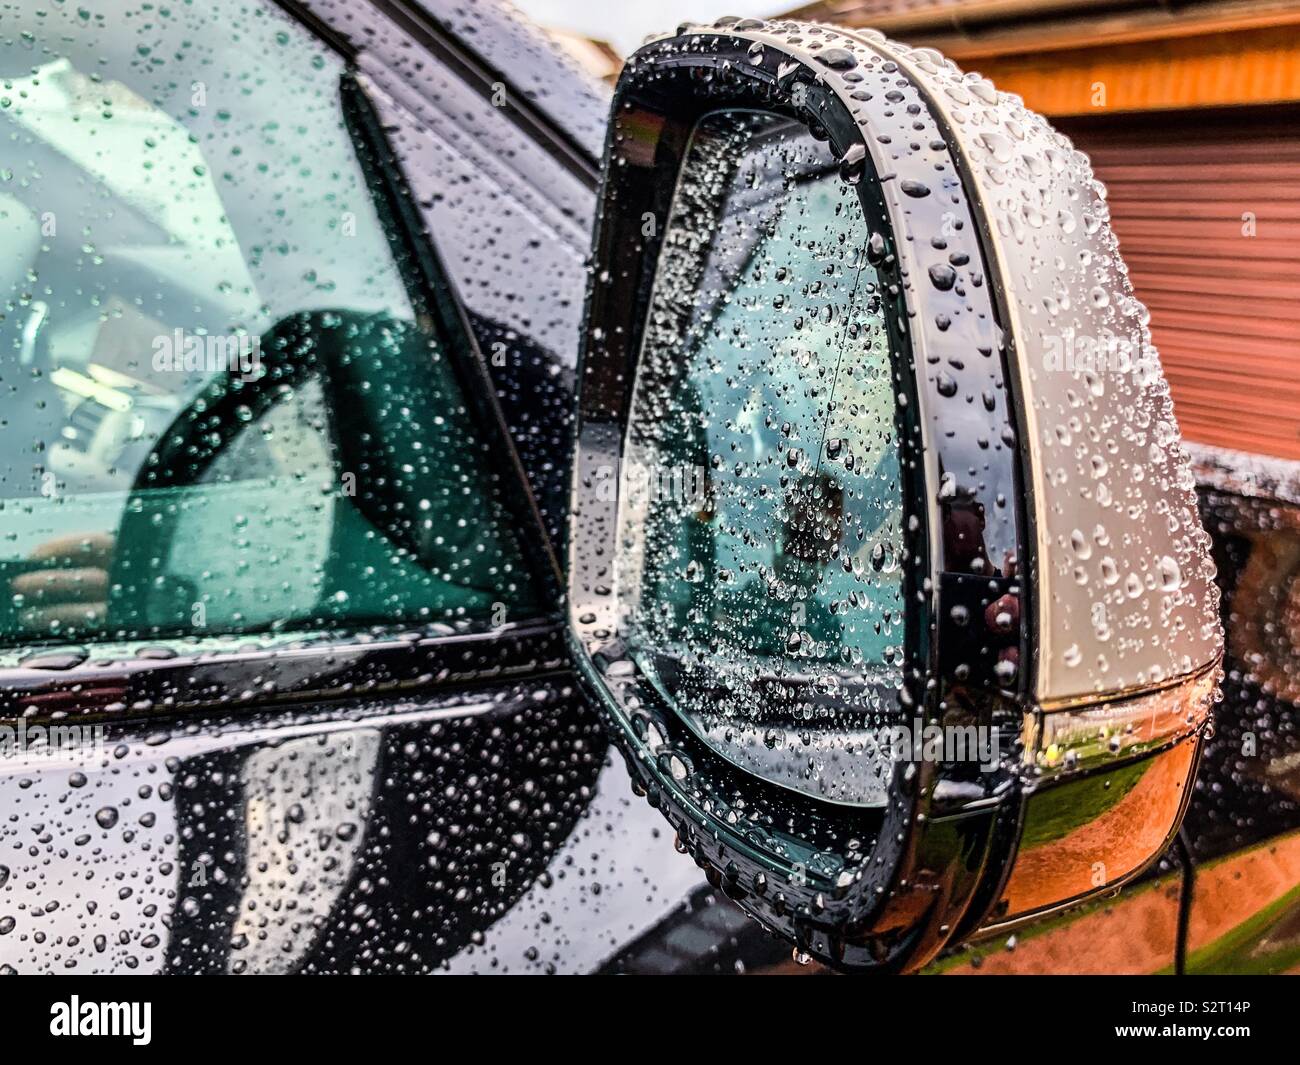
(219, 410)
(761, 518)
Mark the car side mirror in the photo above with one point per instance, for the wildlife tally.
(885, 567)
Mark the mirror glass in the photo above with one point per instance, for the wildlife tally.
(761, 520)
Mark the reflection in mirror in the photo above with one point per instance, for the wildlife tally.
(761, 548)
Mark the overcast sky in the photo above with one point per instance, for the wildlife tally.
(624, 23)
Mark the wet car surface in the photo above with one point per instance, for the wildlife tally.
(432, 791)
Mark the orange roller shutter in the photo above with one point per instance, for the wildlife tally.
(1186, 189)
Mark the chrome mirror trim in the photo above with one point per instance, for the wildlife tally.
(1088, 735)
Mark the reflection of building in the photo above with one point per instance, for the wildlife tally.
(1191, 114)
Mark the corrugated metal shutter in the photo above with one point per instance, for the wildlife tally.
(1225, 307)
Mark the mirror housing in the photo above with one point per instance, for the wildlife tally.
(1058, 588)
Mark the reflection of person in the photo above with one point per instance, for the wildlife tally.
(965, 551)
(963, 533)
(773, 618)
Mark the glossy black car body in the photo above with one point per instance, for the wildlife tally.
(419, 802)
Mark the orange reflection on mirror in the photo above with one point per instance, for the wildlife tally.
(1083, 834)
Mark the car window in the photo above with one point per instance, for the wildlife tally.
(761, 517)
(220, 412)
